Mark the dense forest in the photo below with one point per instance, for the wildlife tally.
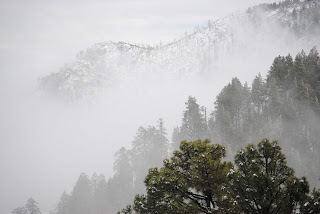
(282, 106)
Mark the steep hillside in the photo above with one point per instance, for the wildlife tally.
(235, 45)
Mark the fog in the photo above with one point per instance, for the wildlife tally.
(46, 143)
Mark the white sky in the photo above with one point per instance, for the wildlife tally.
(56, 30)
(38, 37)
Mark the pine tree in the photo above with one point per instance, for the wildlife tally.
(193, 181)
(259, 94)
(120, 186)
(231, 112)
(264, 183)
(32, 207)
(312, 204)
(193, 122)
(162, 143)
(149, 148)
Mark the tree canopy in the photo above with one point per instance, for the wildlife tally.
(192, 181)
(264, 183)
(196, 180)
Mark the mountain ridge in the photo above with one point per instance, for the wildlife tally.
(206, 50)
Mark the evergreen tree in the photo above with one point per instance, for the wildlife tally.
(194, 123)
(120, 186)
(64, 204)
(81, 196)
(162, 141)
(149, 148)
(100, 197)
(223, 125)
(193, 181)
(264, 183)
(311, 204)
(123, 167)
(32, 207)
(258, 94)
(231, 112)
(127, 210)
(279, 71)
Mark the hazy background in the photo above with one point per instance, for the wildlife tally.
(45, 145)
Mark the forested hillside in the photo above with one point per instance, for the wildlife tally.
(283, 105)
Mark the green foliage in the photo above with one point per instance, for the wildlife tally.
(127, 210)
(312, 203)
(264, 183)
(192, 181)
(195, 180)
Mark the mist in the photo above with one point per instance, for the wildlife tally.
(46, 142)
